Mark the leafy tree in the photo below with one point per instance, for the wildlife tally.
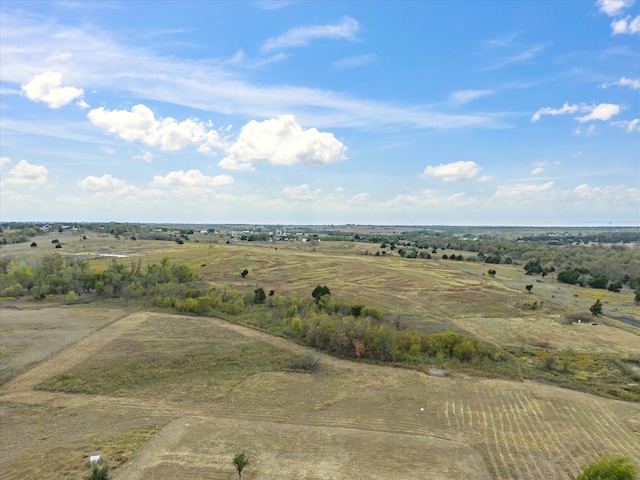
(637, 297)
(319, 292)
(244, 273)
(529, 288)
(615, 287)
(599, 281)
(596, 308)
(240, 461)
(609, 468)
(492, 272)
(259, 295)
(533, 266)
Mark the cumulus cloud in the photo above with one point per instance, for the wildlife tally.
(603, 112)
(566, 108)
(282, 141)
(104, 183)
(626, 25)
(613, 7)
(4, 161)
(301, 36)
(25, 174)
(453, 172)
(46, 88)
(191, 179)
(140, 125)
(633, 83)
(302, 192)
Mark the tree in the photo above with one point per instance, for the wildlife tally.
(615, 286)
(637, 297)
(240, 461)
(319, 292)
(596, 308)
(492, 272)
(244, 273)
(529, 288)
(259, 295)
(609, 468)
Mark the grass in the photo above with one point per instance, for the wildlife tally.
(188, 353)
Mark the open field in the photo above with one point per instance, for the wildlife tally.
(168, 396)
(196, 402)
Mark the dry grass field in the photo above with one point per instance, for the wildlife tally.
(205, 389)
(168, 396)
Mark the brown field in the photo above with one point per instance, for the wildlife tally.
(167, 396)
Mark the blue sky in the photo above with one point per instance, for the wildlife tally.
(433, 112)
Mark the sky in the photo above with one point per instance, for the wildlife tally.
(302, 112)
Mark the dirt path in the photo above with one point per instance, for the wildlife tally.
(63, 361)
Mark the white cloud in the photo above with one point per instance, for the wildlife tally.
(521, 190)
(630, 126)
(104, 183)
(355, 62)
(140, 125)
(589, 131)
(453, 172)
(107, 150)
(361, 197)
(146, 155)
(523, 56)
(4, 161)
(301, 36)
(46, 88)
(465, 96)
(26, 174)
(485, 178)
(536, 171)
(626, 25)
(191, 179)
(613, 7)
(566, 108)
(604, 111)
(282, 141)
(302, 192)
(633, 83)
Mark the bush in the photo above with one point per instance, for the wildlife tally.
(99, 473)
(609, 468)
(306, 360)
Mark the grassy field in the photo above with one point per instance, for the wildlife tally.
(168, 396)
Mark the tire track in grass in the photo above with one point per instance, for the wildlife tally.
(546, 432)
(485, 442)
(624, 429)
(505, 442)
(527, 437)
(508, 414)
(608, 431)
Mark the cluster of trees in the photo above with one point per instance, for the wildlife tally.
(58, 275)
(582, 277)
(351, 330)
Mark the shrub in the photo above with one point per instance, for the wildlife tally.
(71, 297)
(306, 360)
(99, 473)
(609, 468)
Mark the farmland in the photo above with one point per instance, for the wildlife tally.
(161, 395)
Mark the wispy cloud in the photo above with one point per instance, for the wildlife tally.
(462, 97)
(355, 62)
(302, 36)
(632, 83)
(525, 55)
